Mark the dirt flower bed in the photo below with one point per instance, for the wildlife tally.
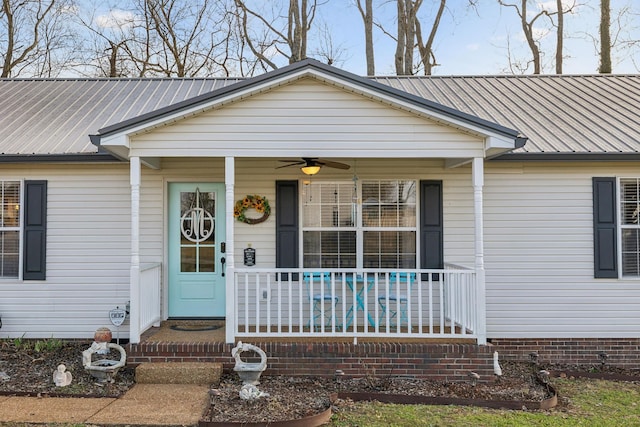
(27, 366)
(296, 397)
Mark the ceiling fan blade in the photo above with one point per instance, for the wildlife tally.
(296, 161)
(291, 164)
(335, 165)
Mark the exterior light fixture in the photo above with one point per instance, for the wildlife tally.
(310, 169)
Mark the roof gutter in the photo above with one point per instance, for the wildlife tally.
(100, 157)
(569, 157)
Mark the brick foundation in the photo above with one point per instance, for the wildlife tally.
(443, 362)
(621, 352)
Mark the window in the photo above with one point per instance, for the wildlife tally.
(350, 226)
(10, 229)
(630, 226)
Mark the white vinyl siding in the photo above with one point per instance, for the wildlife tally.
(539, 255)
(88, 254)
(307, 115)
(538, 241)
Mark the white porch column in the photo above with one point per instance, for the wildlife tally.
(134, 275)
(478, 182)
(229, 181)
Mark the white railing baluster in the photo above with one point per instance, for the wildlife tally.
(246, 303)
(439, 303)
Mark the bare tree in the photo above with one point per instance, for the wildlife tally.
(327, 49)
(187, 35)
(367, 19)
(269, 32)
(605, 37)
(559, 37)
(407, 11)
(427, 56)
(23, 23)
(528, 21)
(104, 50)
(409, 35)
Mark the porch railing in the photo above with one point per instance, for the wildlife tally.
(150, 283)
(433, 303)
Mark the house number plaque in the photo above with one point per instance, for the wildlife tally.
(249, 257)
(117, 316)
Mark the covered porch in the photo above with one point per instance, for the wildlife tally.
(329, 303)
(390, 246)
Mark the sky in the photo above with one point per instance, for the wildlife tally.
(473, 42)
(476, 41)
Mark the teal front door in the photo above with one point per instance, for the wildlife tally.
(196, 250)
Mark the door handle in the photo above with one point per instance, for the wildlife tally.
(223, 261)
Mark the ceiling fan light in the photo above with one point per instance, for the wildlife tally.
(310, 169)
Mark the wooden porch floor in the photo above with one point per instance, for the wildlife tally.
(213, 331)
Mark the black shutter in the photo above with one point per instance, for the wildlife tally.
(431, 225)
(287, 228)
(35, 230)
(604, 228)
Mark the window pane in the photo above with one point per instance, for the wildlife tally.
(10, 193)
(328, 205)
(9, 262)
(630, 200)
(629, 215)
(9, 239)
(389, 216)
(207, 260)
(188, 259)
(407, 215)
(329, 249)
(330, 208)
(389, 249)
(631, 252)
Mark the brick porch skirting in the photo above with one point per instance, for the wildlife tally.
(620, 352)
(443, 362)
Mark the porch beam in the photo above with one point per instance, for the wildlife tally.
(134, 275)
(451, 163)
(478, 183)
(151, 162)
(229, 182)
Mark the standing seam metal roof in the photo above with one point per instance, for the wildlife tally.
(558, 114)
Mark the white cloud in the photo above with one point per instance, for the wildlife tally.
(115, 19)
(473, 47)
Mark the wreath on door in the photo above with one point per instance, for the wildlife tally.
(252, 201)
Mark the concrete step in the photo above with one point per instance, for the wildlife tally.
(206, 373)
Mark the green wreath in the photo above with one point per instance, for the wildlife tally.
(259, 203)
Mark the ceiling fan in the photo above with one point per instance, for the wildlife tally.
(312, 165)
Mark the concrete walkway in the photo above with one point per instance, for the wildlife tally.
(143, 404)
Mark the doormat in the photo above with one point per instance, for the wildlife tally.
(195, 328)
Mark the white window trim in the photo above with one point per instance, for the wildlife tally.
(359, 228)
(20, 230)
(620, 227)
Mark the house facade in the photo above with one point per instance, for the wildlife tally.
(498, 209)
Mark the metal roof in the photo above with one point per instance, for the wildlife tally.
(564, 115)
(558, 114)
(42, 117)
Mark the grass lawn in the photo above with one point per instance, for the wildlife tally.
(583, 402)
